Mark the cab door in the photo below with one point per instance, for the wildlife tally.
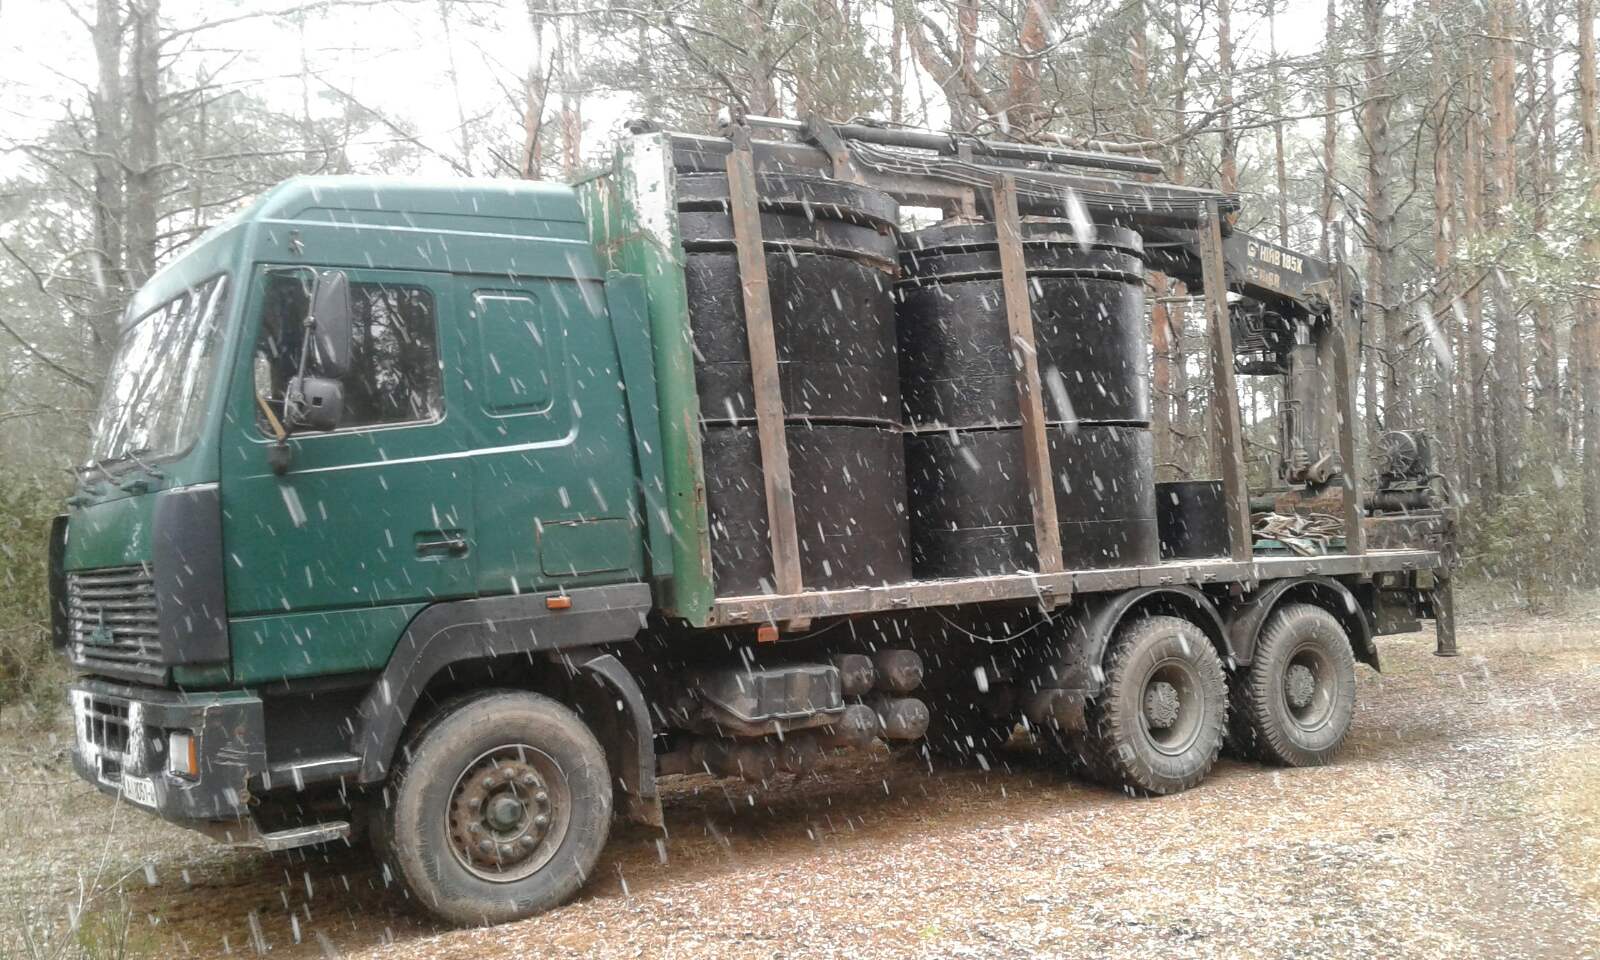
(554, 488)
(371, 520)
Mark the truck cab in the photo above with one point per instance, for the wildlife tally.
(236, 567)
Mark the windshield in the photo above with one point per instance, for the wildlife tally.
(156, 389)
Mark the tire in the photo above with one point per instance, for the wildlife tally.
(1293, 704)
(492, 768)
(1159, 722)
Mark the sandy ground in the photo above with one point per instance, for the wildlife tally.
(1463, 820)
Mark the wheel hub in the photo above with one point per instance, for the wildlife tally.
(1299, 685)
(1161, 705)
(500, 816)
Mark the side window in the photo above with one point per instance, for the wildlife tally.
(394, 359)
(516, 354)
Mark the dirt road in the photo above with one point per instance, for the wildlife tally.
(1463, 821)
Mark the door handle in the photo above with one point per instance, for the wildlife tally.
(431, 544)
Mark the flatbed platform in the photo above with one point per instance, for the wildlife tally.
(1058, 587)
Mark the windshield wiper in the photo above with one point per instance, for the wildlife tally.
(152, 471)
(100, 465)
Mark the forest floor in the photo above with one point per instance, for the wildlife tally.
(1462, 820)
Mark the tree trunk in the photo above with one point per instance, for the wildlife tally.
(1228, 170)
(1506, 407)
(110, 280)
(143, 185)
(1160, 315)
(1330, 127)
(536, 95)
(1387, 362)
(1589, 114)
(1025, 96)
(1546, 361)
(1480, 463)
(897, 70)
(763, 99)
(1279, 165)
(1185, 423)
(568, 46)
(463, 130)
(1442, 316)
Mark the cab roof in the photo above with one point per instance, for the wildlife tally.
(458, 203)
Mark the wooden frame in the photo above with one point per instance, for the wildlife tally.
(792, 604)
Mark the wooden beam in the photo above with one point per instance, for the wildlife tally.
(772, 608)
(775, 474)
(1224, 392)
(1344, 390)
(1024, 353)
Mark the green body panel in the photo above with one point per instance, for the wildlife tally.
(630, 323)
(110, 533)
(632, 212)
(286, 646)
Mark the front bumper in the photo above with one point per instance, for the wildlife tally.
(120, 745)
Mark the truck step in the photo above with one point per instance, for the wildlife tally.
(280, 840)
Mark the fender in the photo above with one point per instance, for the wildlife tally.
(1246, 619)
(463, 631)
(1092, 624)
(620, 718)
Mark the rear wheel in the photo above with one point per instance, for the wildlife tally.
(499, 809)
(1293, 705)
(1159, 722)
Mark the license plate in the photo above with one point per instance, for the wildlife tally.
(140, 790)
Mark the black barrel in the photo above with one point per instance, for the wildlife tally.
(970, 511)
(831, 258)
(1193, 519)
(1088, 326)
(849, 504)
(967, 481)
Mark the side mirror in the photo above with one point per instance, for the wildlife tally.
(315, 403)
(330, 321)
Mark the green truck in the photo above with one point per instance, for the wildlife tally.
(452, 515)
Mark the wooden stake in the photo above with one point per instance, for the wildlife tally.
(1019, 319)
(764, 365)
(1224, 393)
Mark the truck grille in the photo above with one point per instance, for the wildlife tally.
(112, 617)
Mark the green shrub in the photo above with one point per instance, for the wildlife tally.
(1531, 541)
(30, 672)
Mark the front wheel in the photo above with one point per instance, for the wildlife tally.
(499, 809)
(1159, 721)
